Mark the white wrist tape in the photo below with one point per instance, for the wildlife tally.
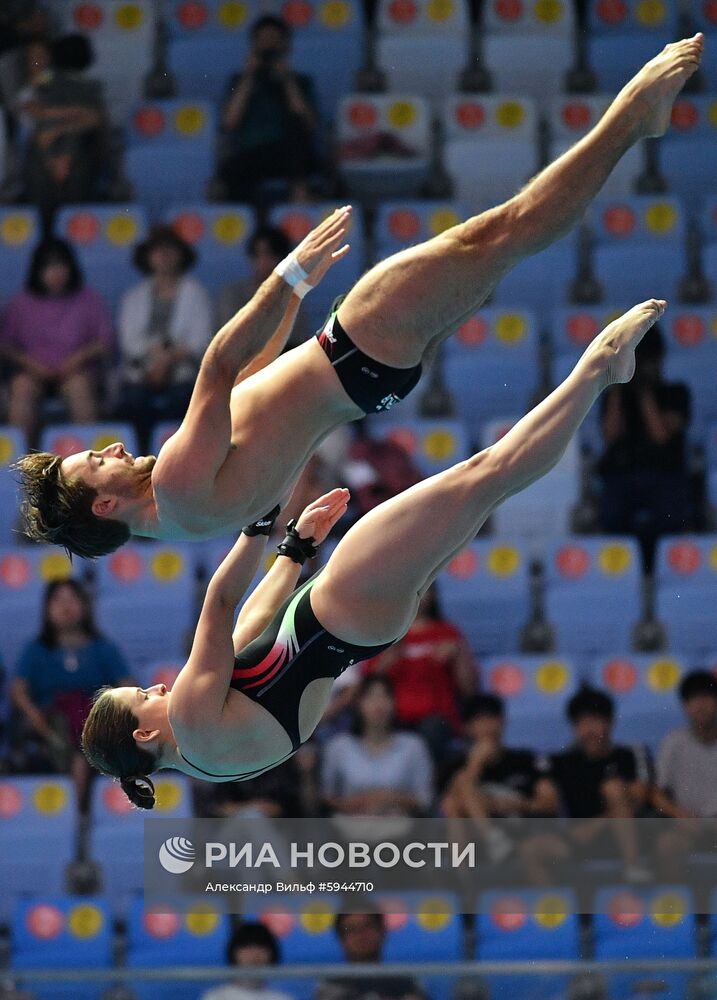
(294, 275)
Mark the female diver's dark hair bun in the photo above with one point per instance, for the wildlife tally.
(139, 789)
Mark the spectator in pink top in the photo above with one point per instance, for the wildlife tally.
(54, 336)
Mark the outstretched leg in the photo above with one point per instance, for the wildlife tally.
(369, 591)
(427, 291)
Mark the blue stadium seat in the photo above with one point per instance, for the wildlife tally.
(541, 282)
(208, 43)
(544, 509)
(434, 445)
(497, 351)
(571, 117)
(12, 446)
(535, 690)
(62, 932)
(704, 18)
(161, 433)
(423, 47)
(593, 593)
(710, 451)
(686, 152)
(219, 234)
(19, 234)
(627, 233)
(122, 35)
(104, 238)
(401, 224)
(425, 925)
(490, 148)
(175, 940)
(533, 925)
(67, 439)
(528, 48)
(644, 686)
(117, 831)
(623, 36)
(328, 45)
(24, 575)
(170, 153)
(296, 221)
(634, 924)
(38, 828)
(365, 118)
(145, 600)
(690, 358)
(485, 592)
(686, 590)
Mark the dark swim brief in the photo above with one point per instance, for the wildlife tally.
(371, 385)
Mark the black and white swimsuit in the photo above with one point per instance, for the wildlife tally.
(275, 668)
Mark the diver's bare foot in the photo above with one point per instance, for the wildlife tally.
(649, 96)
(614, 348)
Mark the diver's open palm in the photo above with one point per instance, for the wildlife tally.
(317, 520)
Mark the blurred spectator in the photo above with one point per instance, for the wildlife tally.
(599, 782)
(277, 792)
(54, 335)
(20, 21)
(686, 781)
(268, 118)
(362, 936)
(52, 690)
(165, 324)
(267, 247)
(376, 470)
(376, 770)
(432, 673)
(251, 944)
(65, 150)
(494, 781)
(643, 470)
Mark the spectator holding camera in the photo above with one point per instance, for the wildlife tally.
(269, 119)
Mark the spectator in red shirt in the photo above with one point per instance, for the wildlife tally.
(432, 672)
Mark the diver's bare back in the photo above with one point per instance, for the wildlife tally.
(279, 415)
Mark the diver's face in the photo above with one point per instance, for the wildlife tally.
(148, 704)
(111, 471)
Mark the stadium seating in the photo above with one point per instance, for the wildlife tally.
(145, 600)
(122, 34)
(687, 150)
(571, 117)
(627, 233)
(429, 925)
(12, 446)
(710, 451)
(543, 510)
(104, 238)
(208, 43)
(654, 923)
(704, 18)
(423, 47)
(67, 439)
(62, 932)
(485, 592)
(528, 48)
(686, 590)
(175, 939)
(691, 354)
(117, 832)
(296, 221)
(219, 234)
(708, 221)
(170, 153)
(384, 144)
(543, 281)
(24, 575)
(434, 445)
(38, 825)
(495, 351)
(161, 433)
(533, 925)
(592, 593)
(624, 35)
(400, 224)
(644, 687)
(490, 147)
(19, 234)
(535, 691)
